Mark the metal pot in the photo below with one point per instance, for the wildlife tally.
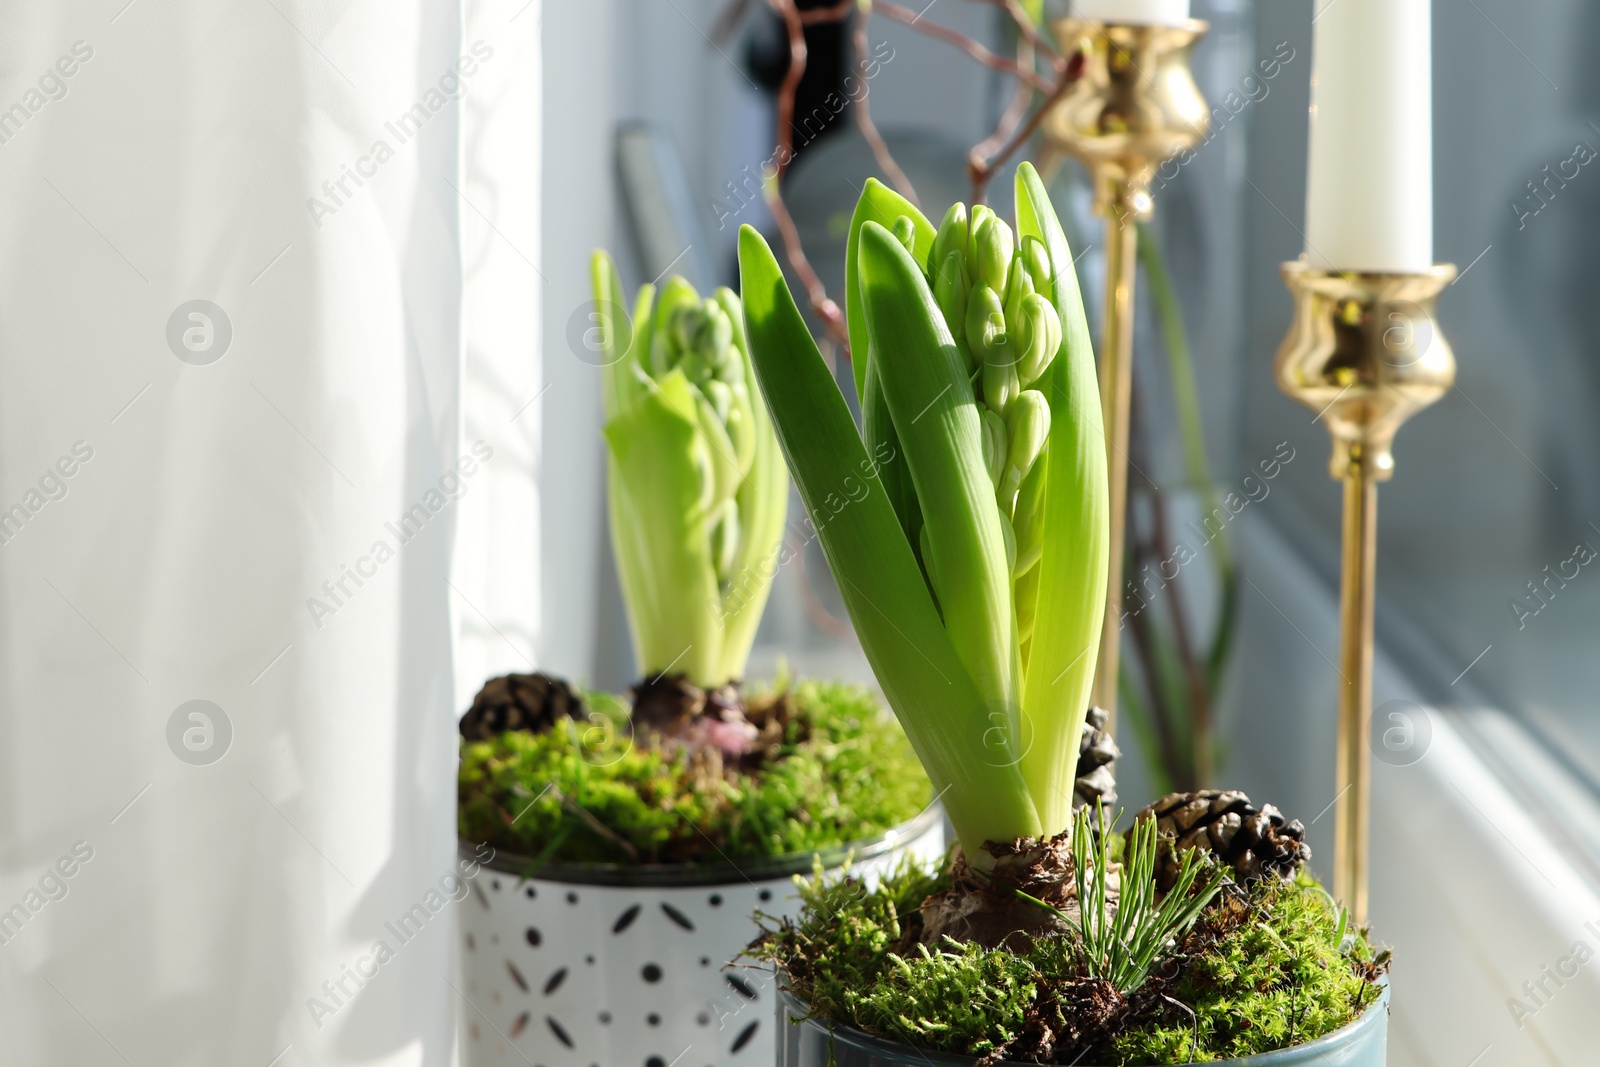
(593, 965)
(817, 1043)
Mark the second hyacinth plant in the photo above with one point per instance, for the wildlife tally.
(692, 765)
(632, 835)
(697, 487)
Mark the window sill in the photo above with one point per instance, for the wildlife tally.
(1482, 848)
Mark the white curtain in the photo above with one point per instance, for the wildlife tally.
(505, 395)
(537, 140)
(230, 459)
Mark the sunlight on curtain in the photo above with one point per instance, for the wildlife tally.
(229, 459)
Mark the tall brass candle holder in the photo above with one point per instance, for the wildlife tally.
(1366, 354)
(1134, 106)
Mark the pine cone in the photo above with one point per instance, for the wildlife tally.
(1257, 843)
(530, 702)
(1097, 756)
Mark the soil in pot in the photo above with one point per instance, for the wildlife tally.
(681, 775)
(1268, 965)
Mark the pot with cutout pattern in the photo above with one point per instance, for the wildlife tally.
(591, 965)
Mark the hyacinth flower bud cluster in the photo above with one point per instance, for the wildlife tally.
(994, 294)
(698, 341)
(697, 487)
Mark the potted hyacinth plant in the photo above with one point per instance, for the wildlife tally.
(634, 835)
(974, 568)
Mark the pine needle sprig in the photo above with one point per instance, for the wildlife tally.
(1122, 935)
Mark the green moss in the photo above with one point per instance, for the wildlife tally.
(840, 946)
(586, 792)
(960, 997)
(1269, 976)
(1263, 970)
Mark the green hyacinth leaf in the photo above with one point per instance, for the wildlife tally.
(618, 338)
(936, 418)
(877, 427)
(697, 489)
(882, 205)
(913, 657)
(1074, 559)
(1027, 517)
(763, 500)
(663, 485)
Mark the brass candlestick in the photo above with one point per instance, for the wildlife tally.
(1134, 106)
(1366, 354)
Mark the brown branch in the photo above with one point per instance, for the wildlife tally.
(837, 13)
(982, 169)
(795, 25)
(817, 293)
(985, 157)
(1030, 32)
(1009, 120)
(869, 129)
(963, 42)
(822, 304)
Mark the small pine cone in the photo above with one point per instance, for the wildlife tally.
(530, 702)
(1097, 756)
(1255, 842)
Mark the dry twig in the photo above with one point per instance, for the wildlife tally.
(826, 310)
(965, 43)
(1013, 130)
(1010, 119)
(869, 130)
(982, 169)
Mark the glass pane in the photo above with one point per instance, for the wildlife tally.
(1488, 535)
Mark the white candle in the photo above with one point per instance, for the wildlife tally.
(1132, 12)
(1369, 194)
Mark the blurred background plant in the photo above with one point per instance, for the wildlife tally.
(1172, 686)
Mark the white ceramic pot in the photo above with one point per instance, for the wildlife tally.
(615, 966)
